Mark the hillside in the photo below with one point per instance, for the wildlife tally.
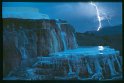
(107, 36)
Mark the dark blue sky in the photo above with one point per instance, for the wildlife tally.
(81, 15)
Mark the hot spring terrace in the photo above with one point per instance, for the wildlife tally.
(84, 63)
(48, 50)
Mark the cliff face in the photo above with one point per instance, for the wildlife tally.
(24, 39)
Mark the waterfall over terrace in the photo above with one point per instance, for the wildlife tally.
(50, 51)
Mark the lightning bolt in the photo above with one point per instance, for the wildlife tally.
(98, 15)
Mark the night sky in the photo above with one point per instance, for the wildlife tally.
(81, 15)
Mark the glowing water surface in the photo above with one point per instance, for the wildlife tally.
(88, 50)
